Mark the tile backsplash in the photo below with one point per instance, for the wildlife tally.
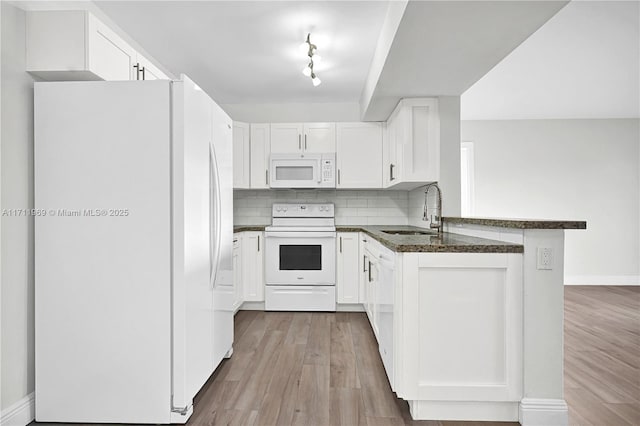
(370, 207)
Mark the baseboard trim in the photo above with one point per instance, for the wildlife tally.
(489, 411)
(349, 307)
(252, 306)
(340, 307)
(21, 413)
(543, 412)
(602, 280)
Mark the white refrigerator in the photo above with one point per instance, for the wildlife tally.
(133, 249)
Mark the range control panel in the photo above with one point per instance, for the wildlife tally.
(303, 210)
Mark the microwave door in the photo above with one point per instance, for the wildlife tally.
(296, 173)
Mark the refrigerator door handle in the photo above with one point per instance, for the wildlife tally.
(214, 215)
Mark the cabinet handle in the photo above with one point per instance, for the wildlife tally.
(235, 240)
(266, 177)
(137, 67)
(142, 69)
(338, 176)
(364, 263)
(305, 141)
(258, 242)
(369, 271)
(340, 244)
(391, 166)
(299, 141)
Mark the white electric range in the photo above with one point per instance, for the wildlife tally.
(300, 258)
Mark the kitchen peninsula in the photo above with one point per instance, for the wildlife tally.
(469, 322)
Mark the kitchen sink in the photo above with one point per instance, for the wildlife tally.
(407, 232)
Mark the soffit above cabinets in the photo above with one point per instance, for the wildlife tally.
(440, 48)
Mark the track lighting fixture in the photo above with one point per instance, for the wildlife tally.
(311, 49)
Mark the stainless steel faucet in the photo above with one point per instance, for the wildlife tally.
(435, 219)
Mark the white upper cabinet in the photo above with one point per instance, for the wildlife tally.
(75, 45)
(109, 57)
(286, 138)
(145, 70)
(259, 151)
(319, 137)
(241, 170)
(411, 152)
(359, 155)
(300, 138)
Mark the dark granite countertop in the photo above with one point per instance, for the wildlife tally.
(518, 223)
(246, 228)
(443, 243)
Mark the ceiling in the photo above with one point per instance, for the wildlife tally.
(583, 63)
(248, 51)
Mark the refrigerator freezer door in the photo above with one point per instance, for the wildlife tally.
(102, 252)
(224, 294)
(193, 295)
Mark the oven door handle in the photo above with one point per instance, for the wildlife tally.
(299, 234)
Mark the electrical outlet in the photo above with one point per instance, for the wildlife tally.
(545, 258)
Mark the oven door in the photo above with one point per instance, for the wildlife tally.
(300, 258)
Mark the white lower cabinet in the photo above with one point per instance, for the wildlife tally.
(347, 265)
(371, 270)
(237, 271)
(253, 266)
(449, 329)
(458, 335)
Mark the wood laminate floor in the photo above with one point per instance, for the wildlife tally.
(602, 355)
(324, 369)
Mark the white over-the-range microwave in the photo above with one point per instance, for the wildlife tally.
(303, 170)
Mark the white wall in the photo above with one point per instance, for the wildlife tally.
(566, 169)
(351, 207)
(449, 108)
(293, 112)
(17, 232)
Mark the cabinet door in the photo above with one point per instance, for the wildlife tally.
(372, 294)
(253, 266)
(348, 277)
(392, 150)
(359, 155)
(286, 138)
(260, 148)
(109, 56)
(362, 268)
(237, 271)
(147, 71)
(420, 134)
(319, 137)
(240, 155)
